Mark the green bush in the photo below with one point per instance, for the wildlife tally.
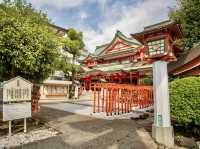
(146, 81)
(185, 100)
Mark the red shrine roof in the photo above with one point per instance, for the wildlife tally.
(119, 48)
(166, 26)
(119, 44)
(122, 47)
(116, 68)
(186, 62)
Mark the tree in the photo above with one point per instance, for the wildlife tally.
(28, 46)
(188, 15)
(72, 44)
(62, 64)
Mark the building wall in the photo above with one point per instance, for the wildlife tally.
(55, 90)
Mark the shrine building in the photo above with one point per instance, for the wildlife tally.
(122, 59)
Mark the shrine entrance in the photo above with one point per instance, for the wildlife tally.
(116, 99)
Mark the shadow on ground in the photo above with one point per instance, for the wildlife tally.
(83, 132)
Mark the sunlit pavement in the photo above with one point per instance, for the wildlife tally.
(85, 108)
(80, 129)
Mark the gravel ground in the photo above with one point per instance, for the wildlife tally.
(20, 139)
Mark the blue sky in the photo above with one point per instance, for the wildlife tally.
(99, 19)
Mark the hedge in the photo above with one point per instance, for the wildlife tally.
(185, 100)
(147, 81)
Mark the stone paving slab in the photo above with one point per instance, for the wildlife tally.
(87, 132)
(78, 131)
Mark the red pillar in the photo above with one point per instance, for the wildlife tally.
(138, 78)
(90, 85)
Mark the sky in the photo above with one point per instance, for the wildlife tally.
(99, 19)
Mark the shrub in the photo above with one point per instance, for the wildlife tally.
(185, 100)
(146, 81)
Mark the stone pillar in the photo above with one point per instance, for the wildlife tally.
(162, 131)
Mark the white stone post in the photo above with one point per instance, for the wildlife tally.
(25, 125)
(9, 129)
(162, 131)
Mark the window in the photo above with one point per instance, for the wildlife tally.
(156, 47)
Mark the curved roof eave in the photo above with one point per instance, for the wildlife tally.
(120, 35)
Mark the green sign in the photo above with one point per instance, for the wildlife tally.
(159, 120)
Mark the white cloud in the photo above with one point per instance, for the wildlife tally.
(61, 4)
(83, 15)
(58, 4)
(128, 19)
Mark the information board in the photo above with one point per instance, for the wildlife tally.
(15, 99)
(16, 111)
(16, 90)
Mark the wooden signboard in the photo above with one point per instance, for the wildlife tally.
(16, 111)
(15, 100)
(17, 90)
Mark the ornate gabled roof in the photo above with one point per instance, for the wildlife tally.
(158, 25)
(89, 57)
(112, 67)
(99, 49)
(119, 37)
(85, 68)
(169, 26)
(131, 40)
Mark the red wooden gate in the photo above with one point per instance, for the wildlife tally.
(115, 98)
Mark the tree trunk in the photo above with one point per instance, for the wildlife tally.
(35, 103)
(73, 78)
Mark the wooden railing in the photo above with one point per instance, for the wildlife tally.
(120, 98)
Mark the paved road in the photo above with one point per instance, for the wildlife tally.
(85, 132)
(85, 108)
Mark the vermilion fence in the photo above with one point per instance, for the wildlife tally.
(120, 98)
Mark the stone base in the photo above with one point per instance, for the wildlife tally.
(163, 135)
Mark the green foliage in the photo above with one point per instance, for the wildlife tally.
(185, 100)
(27, 44)
(73, 43)
(62, 63)
(146, 81)
(188, 15)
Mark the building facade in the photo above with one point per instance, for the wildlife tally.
(123, 59)
(119, 61)
(56, 87)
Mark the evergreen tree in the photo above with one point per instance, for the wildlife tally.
(188, 14)
(73, 43)
(28, 46)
